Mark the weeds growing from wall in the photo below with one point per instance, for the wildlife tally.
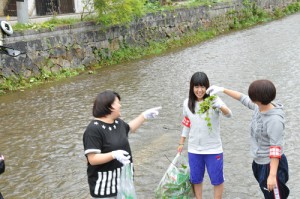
(249, 16)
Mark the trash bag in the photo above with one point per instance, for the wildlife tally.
(175, 184)
(127, 190)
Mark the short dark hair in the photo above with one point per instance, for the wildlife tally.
(102, 104)
(198, 79)
(262, 91)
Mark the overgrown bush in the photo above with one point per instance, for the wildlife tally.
(113, 12)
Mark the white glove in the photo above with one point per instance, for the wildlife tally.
(218, 103)
(122, 156)
(214, 90)
(151, 113)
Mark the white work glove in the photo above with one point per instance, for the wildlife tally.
(151, 113)
(122, 156)
(217, 103)
(212, 90)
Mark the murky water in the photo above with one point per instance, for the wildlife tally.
(41, 128)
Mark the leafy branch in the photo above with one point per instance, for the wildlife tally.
(205, 105)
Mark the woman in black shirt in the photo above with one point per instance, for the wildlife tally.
(106, 144)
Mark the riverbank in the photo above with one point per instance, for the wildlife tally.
(71, 50)
(41, 129)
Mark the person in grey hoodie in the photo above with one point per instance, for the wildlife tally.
(270, 166)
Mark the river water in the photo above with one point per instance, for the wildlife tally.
(41, 129)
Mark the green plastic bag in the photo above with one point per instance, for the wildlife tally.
(127, 190)
(175, 184)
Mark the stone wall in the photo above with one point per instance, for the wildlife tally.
(85, 44)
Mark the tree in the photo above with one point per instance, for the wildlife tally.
(112, 12)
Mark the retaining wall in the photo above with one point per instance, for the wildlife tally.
(85, 44)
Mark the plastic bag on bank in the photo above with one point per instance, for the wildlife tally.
(127, 190)
(175, 184)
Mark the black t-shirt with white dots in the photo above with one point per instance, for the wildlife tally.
(100, 137)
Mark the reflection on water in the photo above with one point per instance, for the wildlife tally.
(41, 129)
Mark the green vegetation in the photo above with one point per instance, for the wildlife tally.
(118, 12)
(204, 106)
(123, 12)
(249, 16)
(175, 183)
(50, 24)
(252, 15)
(125, 53)
(20, 83)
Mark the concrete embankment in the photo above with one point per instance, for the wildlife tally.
(86, 44)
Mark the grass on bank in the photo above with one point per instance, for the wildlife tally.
(248, 17)
(149, 7)
(50, 24)
(21, 83)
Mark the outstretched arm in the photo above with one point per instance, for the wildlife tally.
(234, 94)
(138, 121)
(244, 99)
(216, 89)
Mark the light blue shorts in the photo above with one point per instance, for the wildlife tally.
(213, 164)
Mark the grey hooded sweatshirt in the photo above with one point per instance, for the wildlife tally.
(267, 129)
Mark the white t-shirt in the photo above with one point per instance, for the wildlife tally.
(202, 139)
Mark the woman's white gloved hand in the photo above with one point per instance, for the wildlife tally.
(212, 90)
(122, 156)
(151, 113)
(218, 103)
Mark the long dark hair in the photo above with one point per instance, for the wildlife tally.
(198, 79)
